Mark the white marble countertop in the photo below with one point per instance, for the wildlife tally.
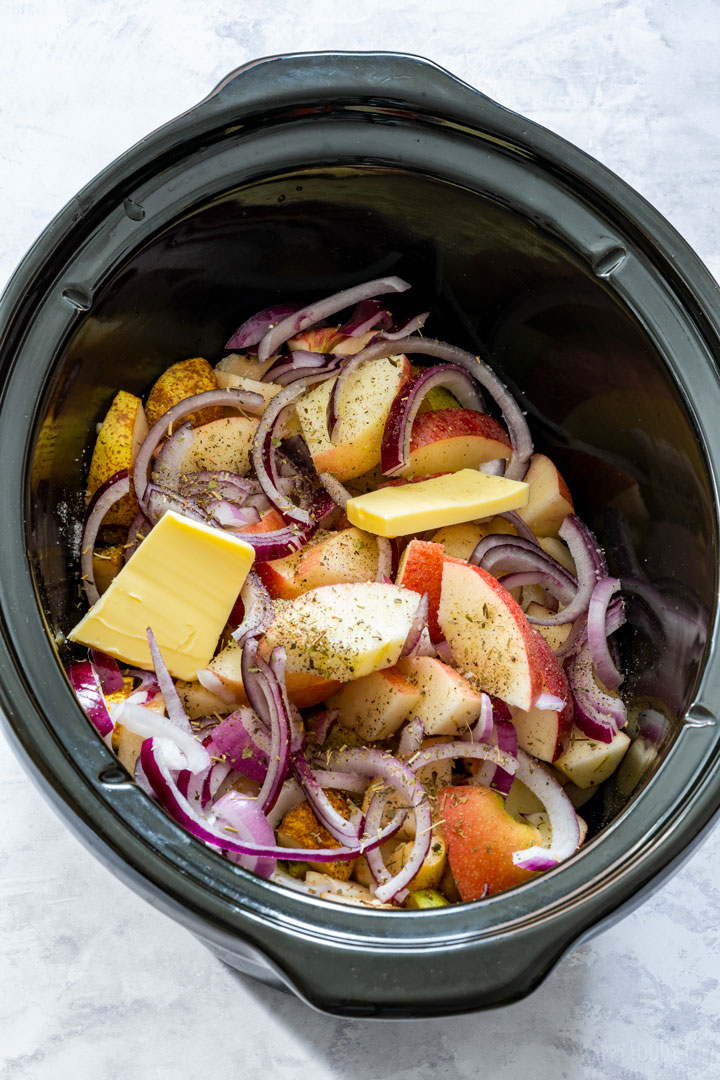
(95, 983)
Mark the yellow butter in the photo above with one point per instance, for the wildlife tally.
(430, 504)
(182, 582)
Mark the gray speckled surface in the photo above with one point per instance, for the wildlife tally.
(93, 982)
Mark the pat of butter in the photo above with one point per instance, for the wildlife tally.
(182, 581)
(430, 504)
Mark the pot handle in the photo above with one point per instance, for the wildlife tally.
(318, 78)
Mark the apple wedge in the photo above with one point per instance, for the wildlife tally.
(446, 440)
(448, 703)
(107, 564)
(363, 410)
(481, 837)
(587, 762)
(545, 733)
(222, 444)
(267, 390)
(459, 541)
(350, 555)
(492, 642)
(550, 500)
(120, 436)
(344, 631)
(376, 706)
(304, 688)
(420, 569)
(244, 366)
(556, 636)
(180, 381)
(321, 340)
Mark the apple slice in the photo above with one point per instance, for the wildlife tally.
(107, 564)
(430, 873)
(491, 640)
(363, 410)
(197, 701)
(459, 541)
(545, 733)
(558, 550)
(447, 440)
(377, 705)
(267, 390)
(350, 555)
(304, 688)
(420, 569)
(222, 444)
(244, 365)
(344, 631)
(550, 500)
(587, 762)
(448, 703)
(120, 436)
(321, 340)
(556, 636)
(481, 837)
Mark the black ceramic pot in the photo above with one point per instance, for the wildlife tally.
(297, 176)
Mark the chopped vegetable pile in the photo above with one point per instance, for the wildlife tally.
(344, 625)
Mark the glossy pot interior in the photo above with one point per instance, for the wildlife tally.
(287, 185)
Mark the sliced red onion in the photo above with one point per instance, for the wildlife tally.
(243, 400)
(216, 484)
(424, 646)
(242, 815)
(597, 635)
(156, 501)
(385, 559)
(512, 414)
(167, 466)
(323, 723)
(367, 314)
(482, 729)
(108, 672)
(396, 774)
(137, 532)
(323, 309)
(235, 517)
(149, 685)
(597, 714)
(496, 467)
(503, 736)
(267, 437)
(160, 780)
(376, 863)
(549, 702)
(173, 704)
(462, 749)
(214, 685)
(517, 557)
(339, 827)
(418, 624)
(444, 651)
(258, 609)
(337, 491)
(86, 684)
(563, 819)
(411, 738)
(281, 542)
(396, 440)
(257, 326)
(242, 740)
(285, 371)
(587, 556)
(264, 693)
(152, 724)
(407, 328)
(106, 496)
(517, 522)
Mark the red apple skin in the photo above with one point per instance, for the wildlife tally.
(451, 439)
(322, 340)
(525, 635)
(481, 836)
(421, 567)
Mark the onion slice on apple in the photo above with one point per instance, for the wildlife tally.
(258, 609)
(396, 440)
(106, 496)
(597, 632)
(322, 309)
(515, 421)
(563, 819)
